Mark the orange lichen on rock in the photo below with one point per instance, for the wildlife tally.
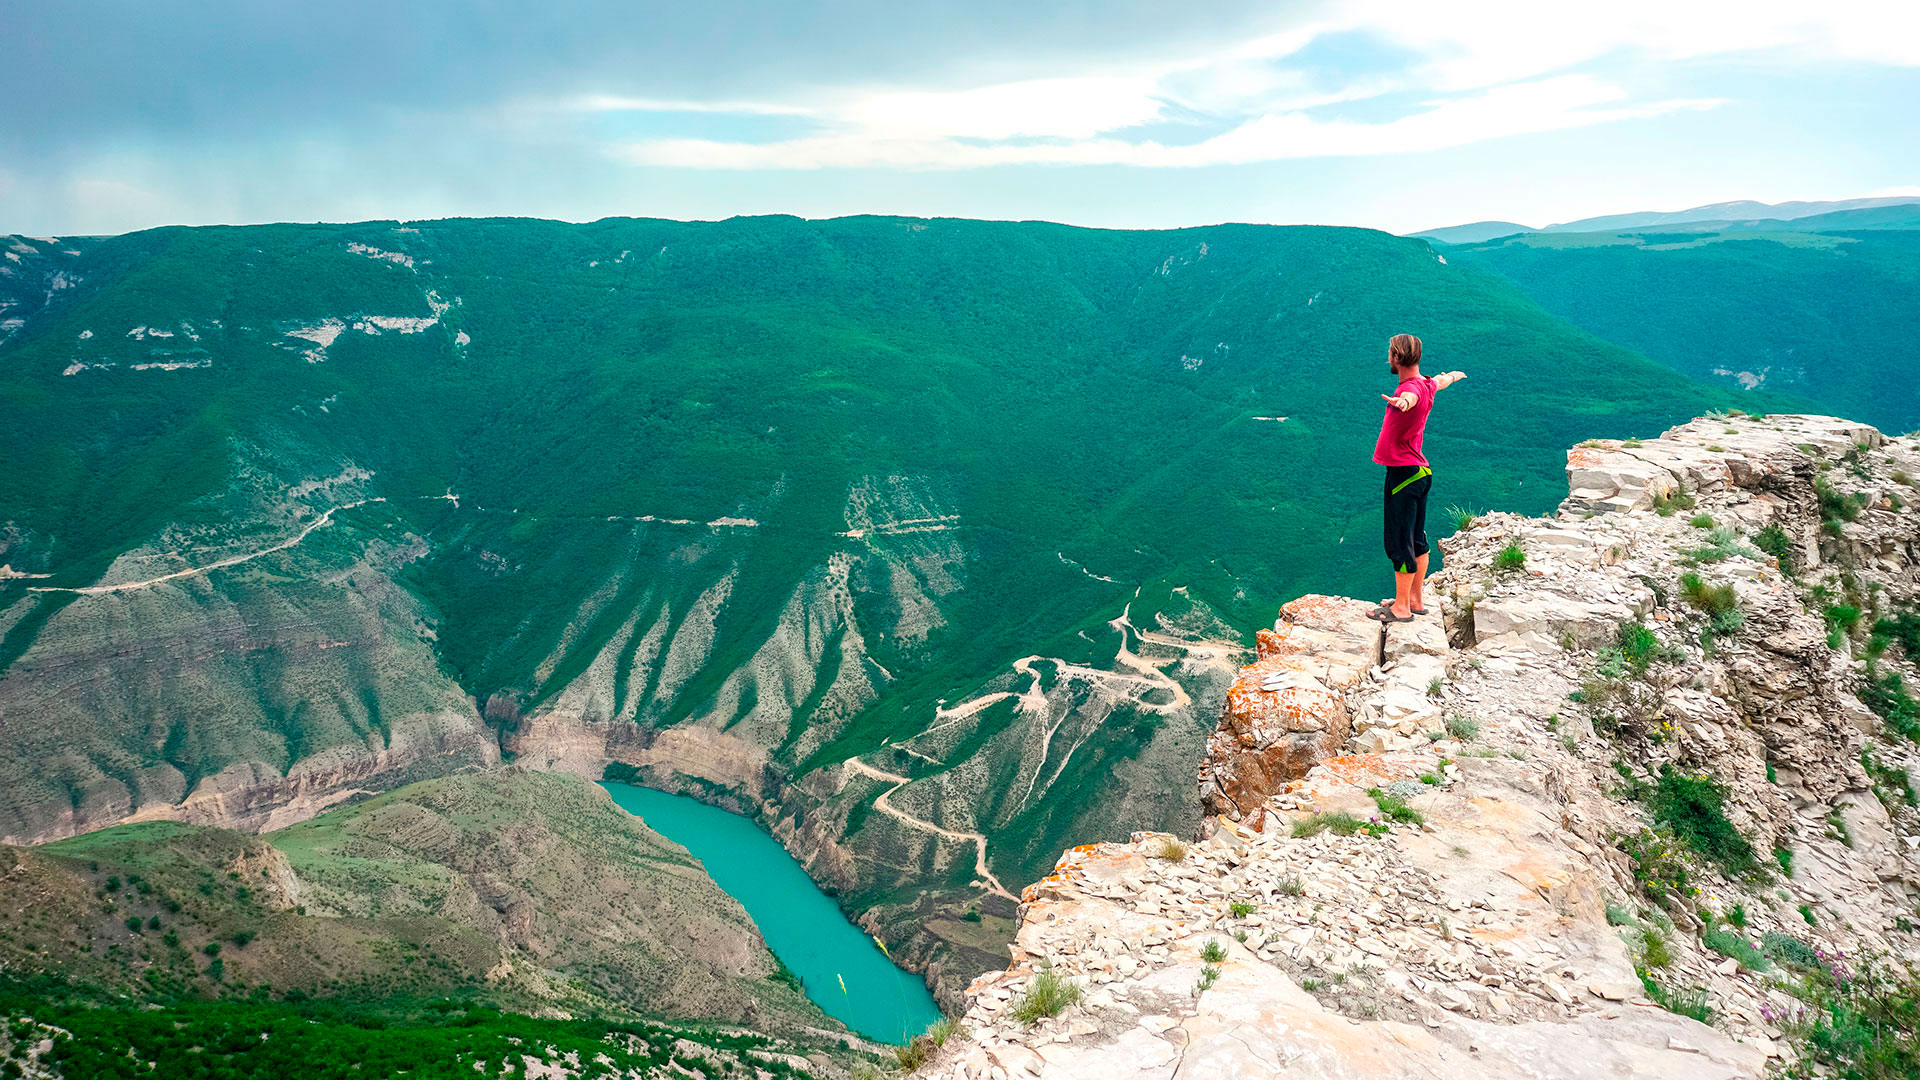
(1288, 711)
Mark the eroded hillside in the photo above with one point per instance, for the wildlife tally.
(929, 543)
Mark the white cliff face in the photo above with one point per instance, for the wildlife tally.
(1500, 928)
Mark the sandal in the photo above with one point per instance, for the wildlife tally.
(1388, 603)
(1386, 615)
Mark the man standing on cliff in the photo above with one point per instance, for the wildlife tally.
(1408, 477)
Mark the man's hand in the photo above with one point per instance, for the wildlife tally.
(1447, 378)
(1403, 402)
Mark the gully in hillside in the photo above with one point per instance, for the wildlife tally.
(1408, 478)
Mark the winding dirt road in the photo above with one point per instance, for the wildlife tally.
(125, 586)
(979, 842)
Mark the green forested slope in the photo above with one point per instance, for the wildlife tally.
(1815, 315)
(779, 488)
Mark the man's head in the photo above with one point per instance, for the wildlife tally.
(1403, 354)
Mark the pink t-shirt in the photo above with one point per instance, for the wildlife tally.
(1400, 432)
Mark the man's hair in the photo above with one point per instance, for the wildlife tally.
(1403, 351)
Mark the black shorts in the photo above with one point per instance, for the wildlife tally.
(1407, 488)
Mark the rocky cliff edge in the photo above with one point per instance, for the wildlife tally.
(1498, 840)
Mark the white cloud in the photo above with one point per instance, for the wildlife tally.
(1523, 108)
(1485, 70)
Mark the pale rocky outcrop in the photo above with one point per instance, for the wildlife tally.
(1477, 941)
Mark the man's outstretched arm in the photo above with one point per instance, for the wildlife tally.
(1447, 378)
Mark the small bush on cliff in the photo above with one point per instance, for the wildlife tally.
(1339, 822)
(1903, 628)
(1886, 694)
(1048, 995)
(1169, 849)
(1728, 943)
(1835, 507)
(1722, 544)
(1669, 503)
(1462, 518)
(1774, 541)
(1694, 808)
(1860, 1021)
(1512, 557)
(1396, 810)
(1720, 603)
(1689, 1002)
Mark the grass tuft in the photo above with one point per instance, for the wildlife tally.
(1512, 557)
(1048, 995)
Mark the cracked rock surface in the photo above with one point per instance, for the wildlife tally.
(1496, 929)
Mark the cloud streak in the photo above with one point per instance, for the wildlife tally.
(1541, 105)
(1456, 74)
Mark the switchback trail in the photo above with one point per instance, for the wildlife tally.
(978, 841)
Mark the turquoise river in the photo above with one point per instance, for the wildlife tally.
(843, 970)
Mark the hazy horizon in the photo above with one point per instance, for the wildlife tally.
(1388, 115)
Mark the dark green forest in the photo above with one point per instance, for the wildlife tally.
(1820, 317)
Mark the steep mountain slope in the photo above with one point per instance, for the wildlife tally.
(931, 543)
(1811, 315)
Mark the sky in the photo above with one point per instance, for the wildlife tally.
(126, 114)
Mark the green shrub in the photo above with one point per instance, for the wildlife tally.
(1728, 943)
(1842, 617)
(1784, 856)
(1340, 823)
(1653, 948)
(1789, 950)
(1722, 544)
(1212, 952)
(1835, 507)
(1511, 557)
(1694, 808)
(1396, 810)
(1048, 995)
(1658, 865)
(1860, 1021)
(1738, 916)
(1691, 1002)
(1461, 517)
(1666, 505)
(1887, 695)
(1240, 909)
(1902, 627)
(1774, 541)
(1720, 603)
(1169, 849)
(1462, 728)
(1702, 521)
(1638, 646)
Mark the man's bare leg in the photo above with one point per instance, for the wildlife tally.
(1403, 586)
(1406, 598)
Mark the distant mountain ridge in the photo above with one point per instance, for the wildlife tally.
(1744, 213)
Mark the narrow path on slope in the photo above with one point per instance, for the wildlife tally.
(125, 586)
(978, 841)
